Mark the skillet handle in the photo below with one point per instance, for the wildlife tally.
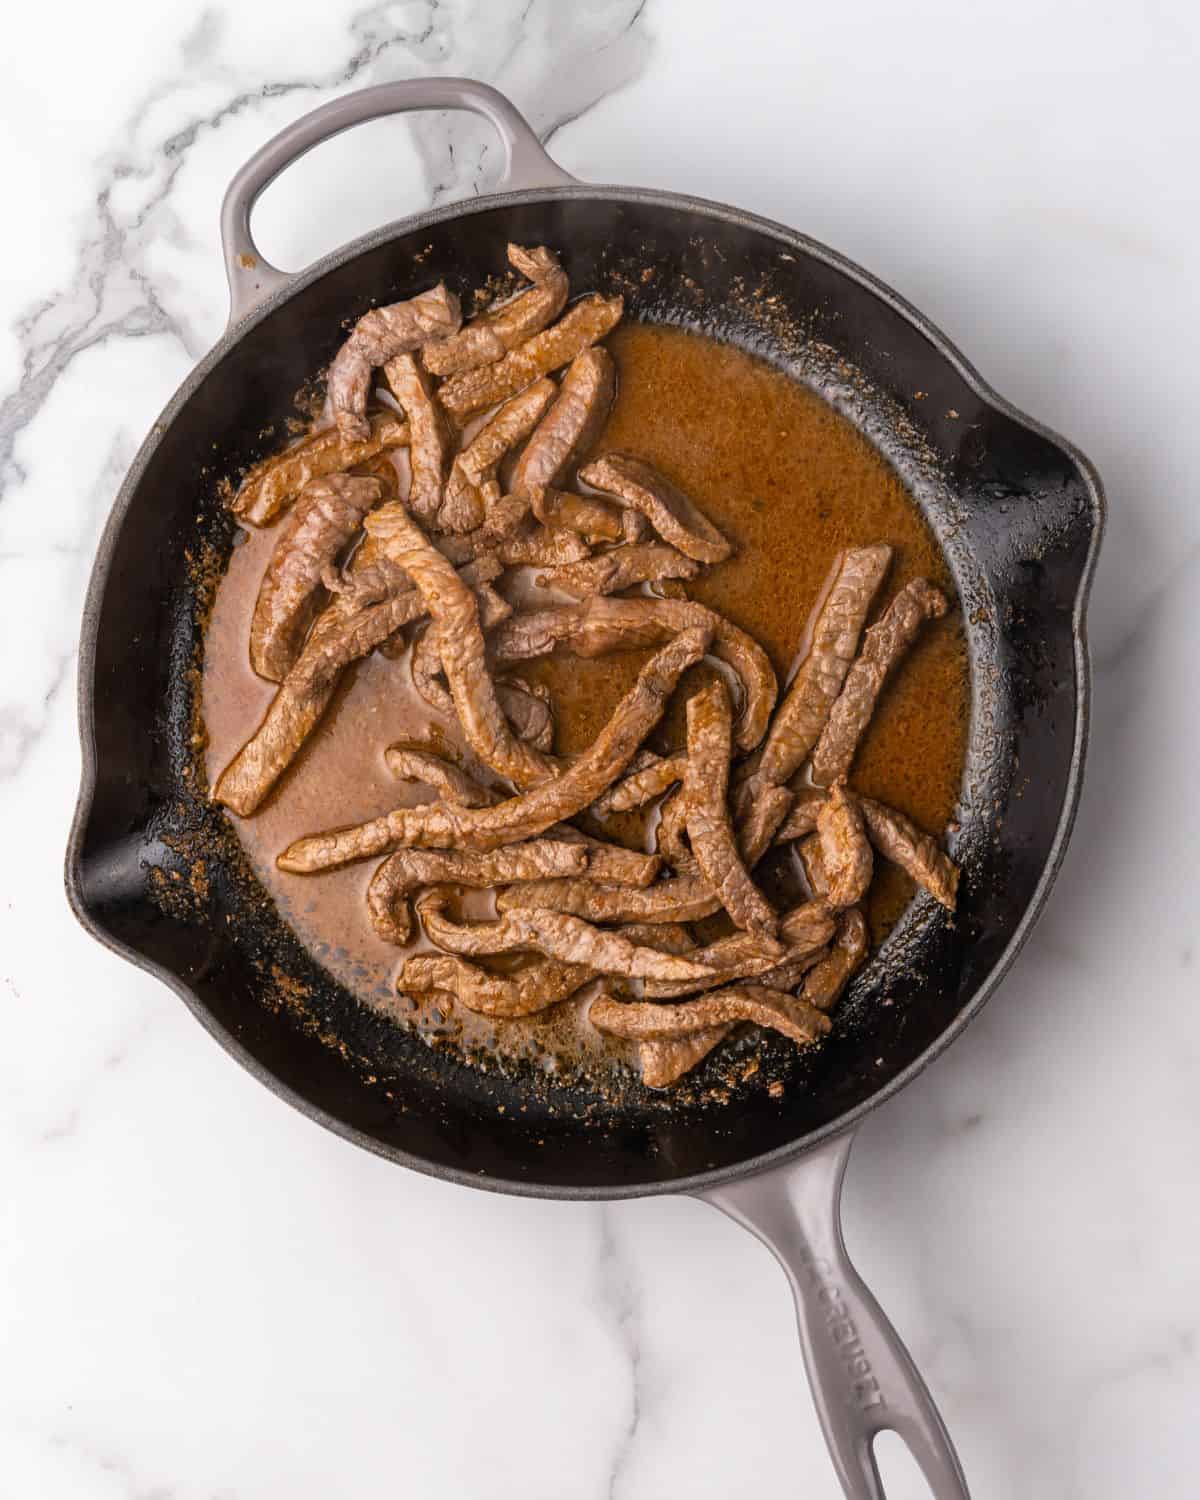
(252, 278)
(862, 1376)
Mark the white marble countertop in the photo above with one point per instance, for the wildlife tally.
(202, 1294)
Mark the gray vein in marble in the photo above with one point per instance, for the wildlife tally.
(618, 1296)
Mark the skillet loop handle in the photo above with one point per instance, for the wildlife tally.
(863, 1378)
(252, 277)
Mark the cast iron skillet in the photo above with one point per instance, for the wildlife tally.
(154, 871)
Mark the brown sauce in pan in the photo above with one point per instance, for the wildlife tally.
(791, 483)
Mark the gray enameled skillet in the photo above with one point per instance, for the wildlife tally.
(1019, 514)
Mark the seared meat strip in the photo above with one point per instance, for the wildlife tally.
(825, 982)
(377, 337)
(530, 715)
(272, 484)
(915, 852)
(407, 870)
(582, 325)
(454, 608)
(884, 646)
(611, 863)
(534, 987)
(597, 626)
(523, 817)
(571, 425)
(408, 763)
(744, 956)
(845, 850)
(669, 511)
(670, 837)
(473, 487)
(620, 569)
(344, 632)
(536, 546)
(740, 1002)
(686, 898)
(426, 661)
(710, 831)
(642, 785)
(595, 520)
(802, 819)
(430, 444)
(321, 524)
(492, 334)
(556, 935)
(814, 864)
(664, 1062)
(835, 633)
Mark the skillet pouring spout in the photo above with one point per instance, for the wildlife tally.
(156, 871)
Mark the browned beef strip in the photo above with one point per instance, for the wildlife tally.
(917, 854)
(554, 934)
(884, 646)
(845, 849)
(646, 562)
(584, 324)
(320, 526)
(802, 820)
(644, 1021)
(814, 864)
(664, 1062)
(835, 633)
(430, 445)
(745, 956)
(710, 830)
(642, 785)
(490, 336)
(473, 488)
(272, 484)
(597, 626)
(676, 518)
(611, 863)
(534, 987)
(407, 870)
(595, 520)
(571, 425)
(411, 763)
(686, 898)
(377, 337)
(523, 817)
(456, 611)
(346, 630)
(530, 715)
(425, 663)
(670, 836)
(825, 982)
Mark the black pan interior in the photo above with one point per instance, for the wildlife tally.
(155, 870)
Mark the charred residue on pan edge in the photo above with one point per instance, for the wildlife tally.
(293, 985)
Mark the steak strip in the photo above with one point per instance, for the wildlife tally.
(430, 445)
(321, 524)
(408, 763)
(344, 632)
(554, 934)
(594, 519)
(644, 1021)
(669, 511)
(825, 981)
(846, 858)
(807, 928)
(474, 487)
(455, 610)
(273, 483)
(597, 626)
(377, 337)
(710, 831)
(409, 869)
(645, 562)
(835, 634)
(571, 425)
(523, 817)
(685, 898)
(915, 852)
(535, 987)
(492, 334)
(642, 785)
(586, 323)
(884, 646)
(664, 1062)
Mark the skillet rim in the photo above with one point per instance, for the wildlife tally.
(697, 1182)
